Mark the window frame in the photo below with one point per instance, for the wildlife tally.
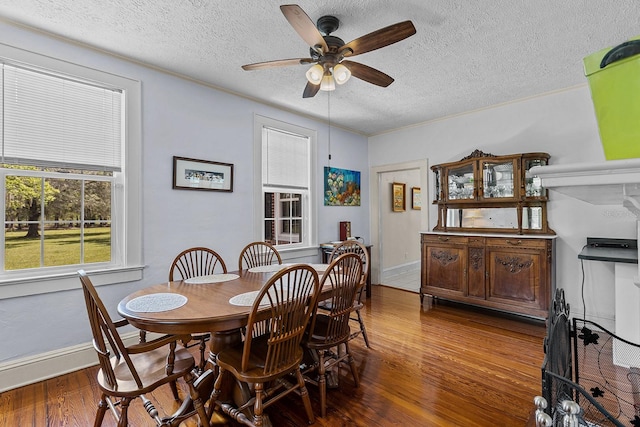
(280, 216)
(309, 214)
(129, 217)
(82, 179)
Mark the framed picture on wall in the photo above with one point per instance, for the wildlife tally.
(397, 195)
(194, 174)
(341, 187)
(416, 198)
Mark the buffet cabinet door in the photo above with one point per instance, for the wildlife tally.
(517, 275)
(444, 267)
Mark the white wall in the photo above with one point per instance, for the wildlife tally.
(401, 245)
(180, 118)
(562, 124)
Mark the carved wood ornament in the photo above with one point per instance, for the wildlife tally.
(476, 256)
(477, 153)
(514, 264)
(443, 257)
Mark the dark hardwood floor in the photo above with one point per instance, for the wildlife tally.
(437, 365)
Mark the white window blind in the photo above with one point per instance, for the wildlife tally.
(285, 159)
(54, 121)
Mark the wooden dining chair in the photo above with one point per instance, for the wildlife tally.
(263, 363)
(127, 373)
(257, 254)
(330, 331)
(194, 262)
(354, 246)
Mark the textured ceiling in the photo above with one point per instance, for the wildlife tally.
(465, 55)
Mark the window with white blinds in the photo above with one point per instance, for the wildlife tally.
(285, 159)
(285, 201)
(54, 121)
(70, 156)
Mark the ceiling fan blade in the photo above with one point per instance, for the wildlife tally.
(368, 74)
(277, 63)
(304, 26)
(380, 38)
(310, 90)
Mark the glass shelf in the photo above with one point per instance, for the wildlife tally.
(533, 184)
(497, 179)
(460, 183)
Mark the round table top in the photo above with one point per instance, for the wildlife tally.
(207, 309)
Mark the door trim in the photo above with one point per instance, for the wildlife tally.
(375, 207)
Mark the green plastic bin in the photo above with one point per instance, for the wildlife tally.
(614, 80)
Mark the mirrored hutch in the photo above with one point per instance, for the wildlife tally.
(492, 245)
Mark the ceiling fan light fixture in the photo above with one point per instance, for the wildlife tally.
(341, 74)
(328, 83)
(315, 74)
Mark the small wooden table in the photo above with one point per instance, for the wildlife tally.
(207, 310)
(325, 253)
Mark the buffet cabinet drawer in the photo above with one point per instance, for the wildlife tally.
(515, 242)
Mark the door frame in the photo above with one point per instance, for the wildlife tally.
(375, 207)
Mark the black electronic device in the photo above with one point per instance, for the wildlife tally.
(605, 242)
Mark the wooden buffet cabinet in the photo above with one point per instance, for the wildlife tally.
(492, 246)
(509, 273)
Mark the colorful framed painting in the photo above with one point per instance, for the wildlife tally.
(397, 194)
(341, 187)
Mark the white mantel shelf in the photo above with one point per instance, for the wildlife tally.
(613, 182)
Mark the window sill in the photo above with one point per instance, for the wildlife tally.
(296, 253)
(14, 288)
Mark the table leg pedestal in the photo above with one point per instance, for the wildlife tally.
(205, 381)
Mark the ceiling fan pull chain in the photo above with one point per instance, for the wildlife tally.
(329, 119)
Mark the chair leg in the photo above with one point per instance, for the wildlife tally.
(203, 348)
(169, 369)
(102, 409)
(352, 364)
(174, 390)
(304, 394)
(322, 384)
(124, 412)
(257, 406)
(215, 394)
(203, 417)
(363, 329)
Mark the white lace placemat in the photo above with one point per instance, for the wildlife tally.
(247, 299)
(319, 267)
(156, 302)
(267, 268)
(244, 300)
(211, 278)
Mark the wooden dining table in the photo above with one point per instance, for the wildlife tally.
(219, 304)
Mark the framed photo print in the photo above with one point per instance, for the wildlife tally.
(416, 198)
(397, 195)
(194, 174)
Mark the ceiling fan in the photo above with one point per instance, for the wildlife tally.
(328, 52)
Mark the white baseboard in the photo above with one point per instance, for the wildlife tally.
(400, 269)
(32, 369)
(606, 321)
